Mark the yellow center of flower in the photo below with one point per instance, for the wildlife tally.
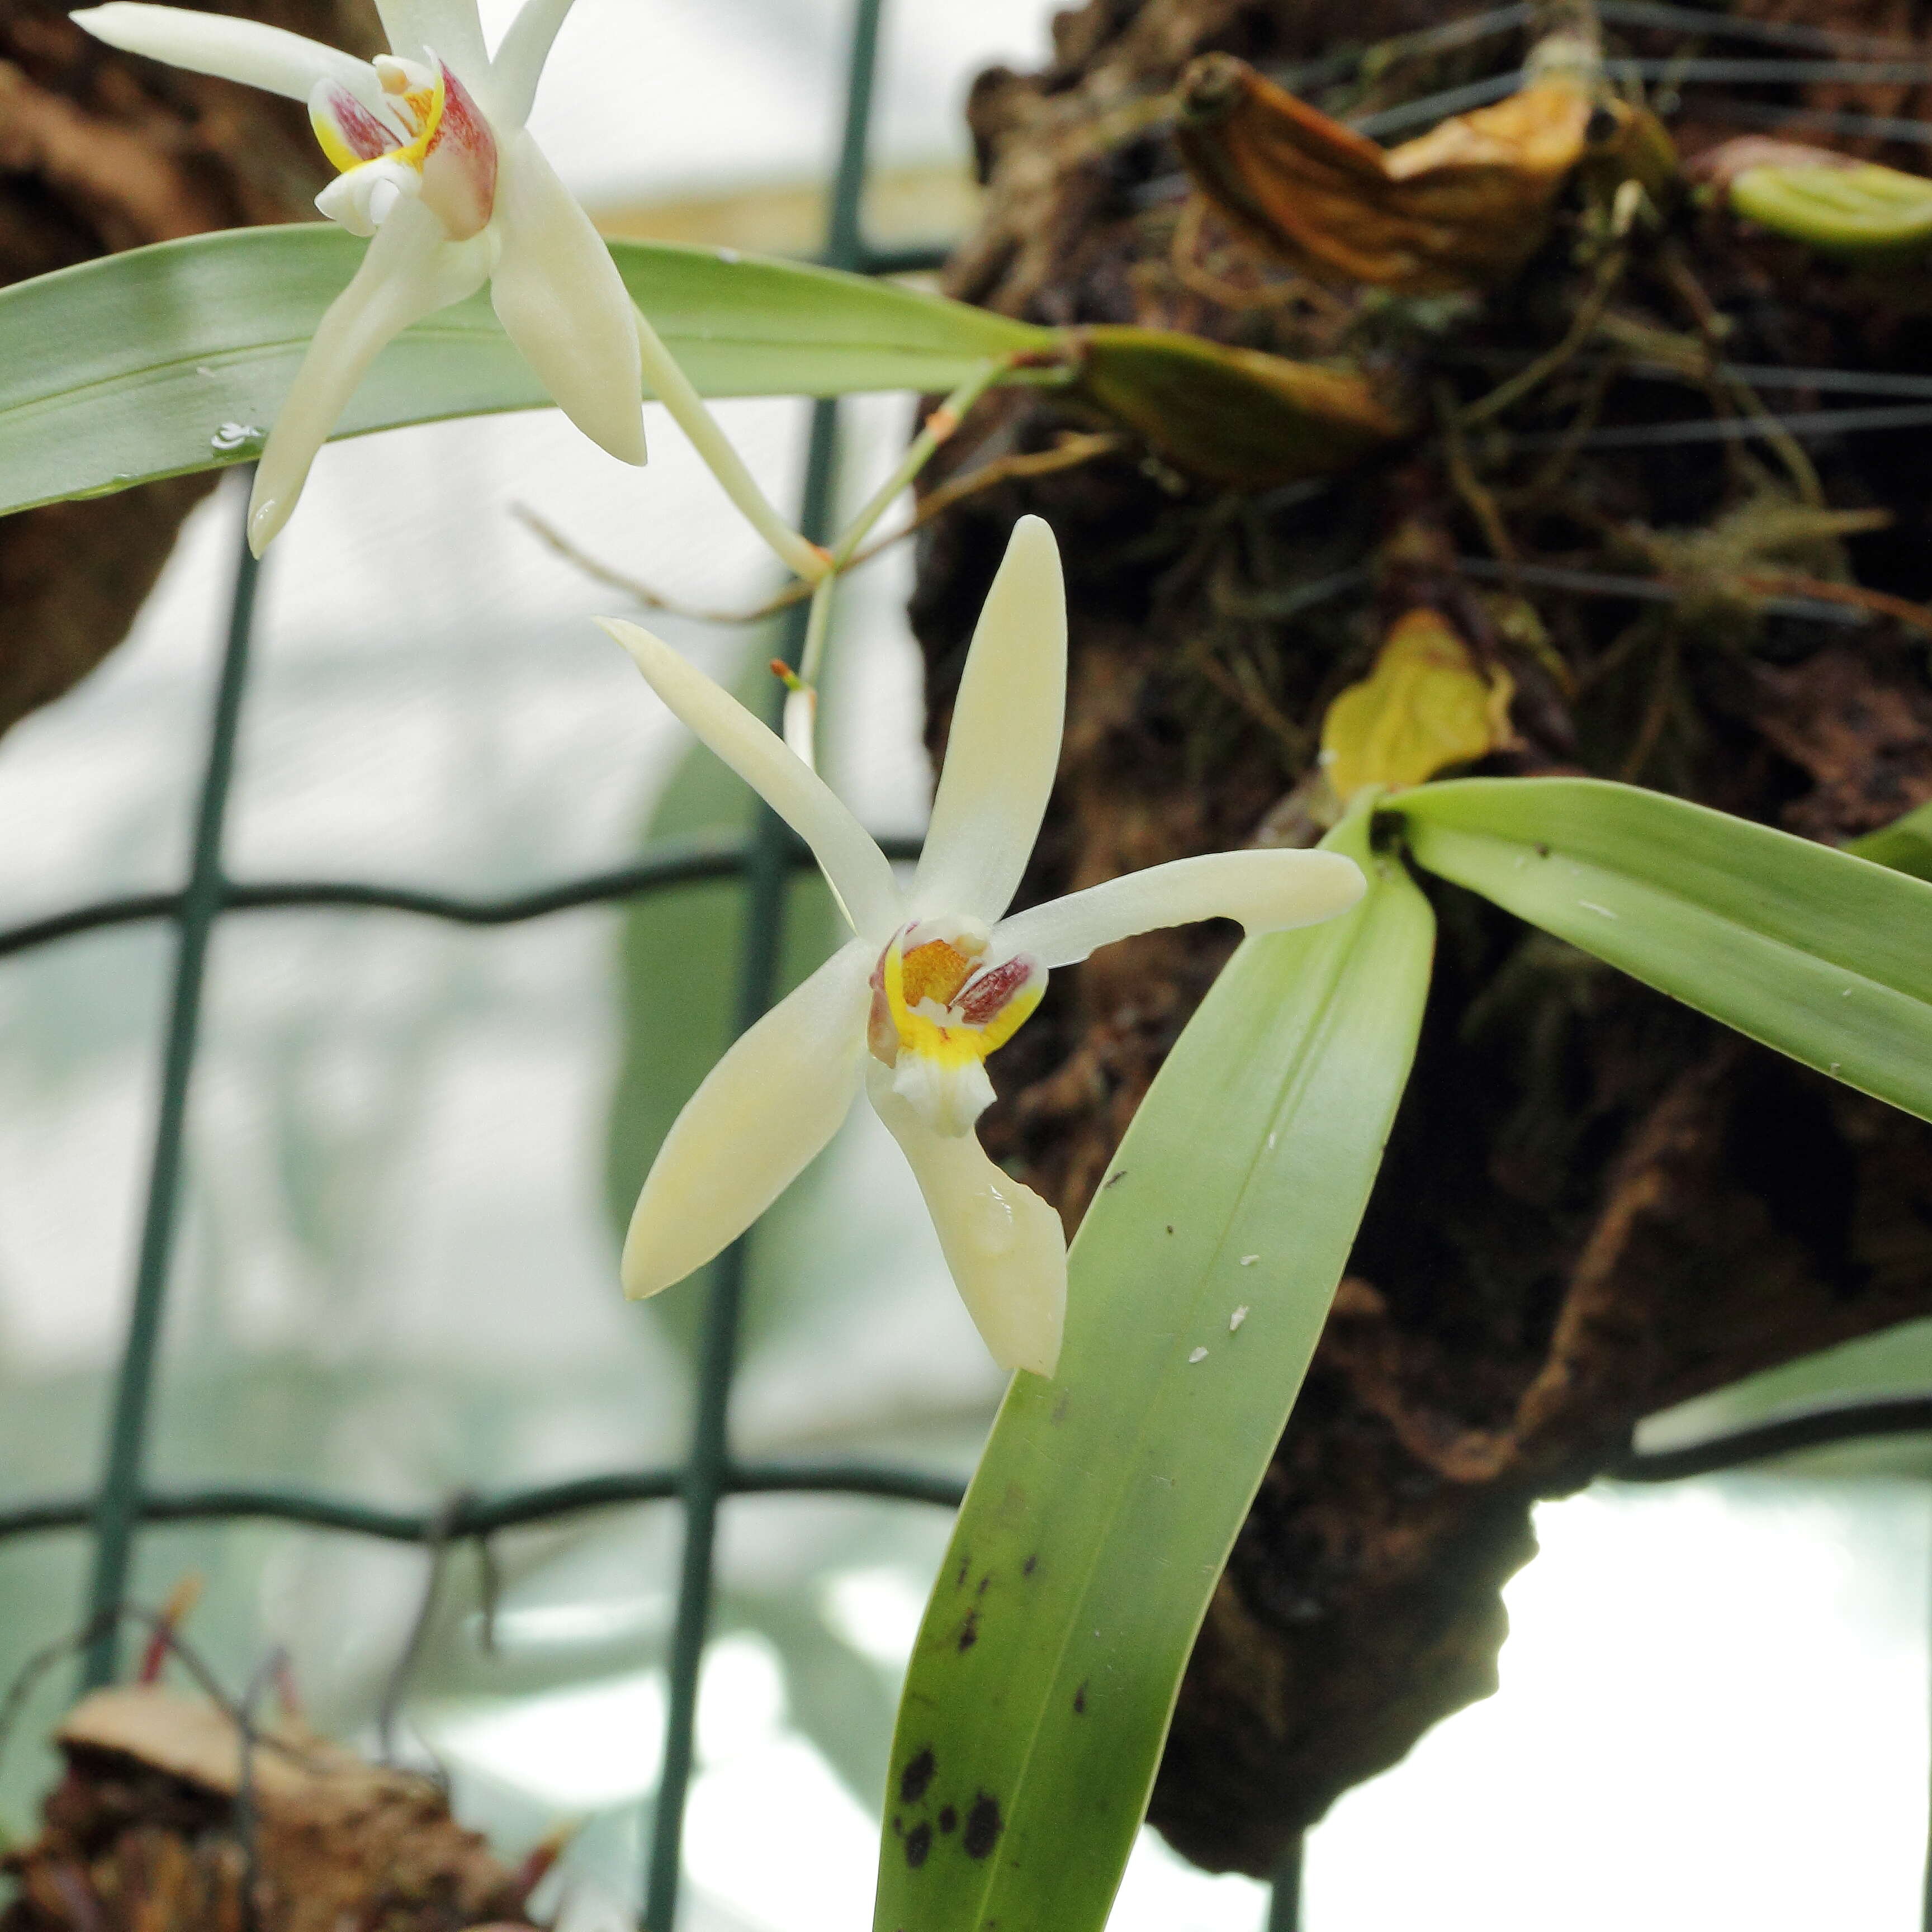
(937, 1014)
(424, 137)
(419, 107)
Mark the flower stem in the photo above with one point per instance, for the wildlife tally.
(673, 387)
(801, 704)
(938, 426)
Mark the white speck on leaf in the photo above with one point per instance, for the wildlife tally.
(1248, 1260)
(1235, 1320)
(1273, 1138)
(1591, 905)
(1199, 1355)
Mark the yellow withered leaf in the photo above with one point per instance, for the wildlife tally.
(1237, 416)
(1426, 704)
(1464, 205)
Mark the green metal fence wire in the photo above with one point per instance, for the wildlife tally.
(123, 1502)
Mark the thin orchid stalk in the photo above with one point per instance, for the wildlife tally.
(801, 704)
(673, 387)
(801, 707)
(937, 428)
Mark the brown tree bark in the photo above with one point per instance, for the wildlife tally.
(1596, 1204)
(100, 152)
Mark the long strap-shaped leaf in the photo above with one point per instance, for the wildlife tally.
(1823, 955)
(176, 358)
(1046, 1671)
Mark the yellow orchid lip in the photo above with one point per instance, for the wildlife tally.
(934, 1000)
(936, 1012)
(352, 134)
(430, 127)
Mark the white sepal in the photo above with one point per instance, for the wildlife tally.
(1265, 891)
(561, 301)
(519, 64)
(409, 271)
(451, 27)
(858, 872)
(763, 1111)
(270, 58)
(1004, 1245)
(1003, 746)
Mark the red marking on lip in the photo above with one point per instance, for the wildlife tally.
(460, 164)
(362, 133)
(982, 1000)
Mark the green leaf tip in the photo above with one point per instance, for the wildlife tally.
(1818, 953)
(1858, 210)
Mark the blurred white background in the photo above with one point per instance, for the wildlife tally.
(396, 1278)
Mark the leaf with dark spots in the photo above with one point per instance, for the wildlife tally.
(983, 1827)
(1059, 1407)
(1029, 1566)
(948, 1818)
(965, 1565)
(969, 1631)
(917, 1776)
(1114, 1179)
(983, 1581)
(918, 1846)
(1080, 1702)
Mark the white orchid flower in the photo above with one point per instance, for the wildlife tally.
(437, 167)
(936, 978)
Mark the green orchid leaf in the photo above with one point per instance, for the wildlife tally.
(176, 358)
(1820, 954)
(1861, 209)
(1083, 1558)
(1905, 844)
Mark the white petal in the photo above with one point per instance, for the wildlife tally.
(519, 64)
(270, 58)
(858, 870)
(559, 296)
(1004, 1245)
(745, 1136)
(1267, 892)
(409, 271)
(1003, 747)
(449, 28)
